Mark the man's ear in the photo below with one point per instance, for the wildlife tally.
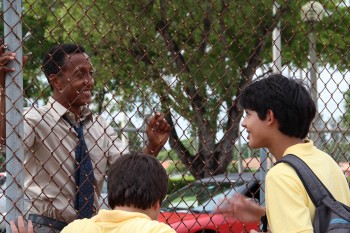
(55, 82)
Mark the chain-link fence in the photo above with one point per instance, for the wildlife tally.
(187, 59)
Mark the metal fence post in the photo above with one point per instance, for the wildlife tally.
(14, 111)
(263, 171)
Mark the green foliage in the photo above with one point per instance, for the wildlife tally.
(176, 167)
(339, 150)
(346, 117)
(337, 142)
(177, 183)
(186, 58)
(135, 142)
(163, 155)
(123, 41)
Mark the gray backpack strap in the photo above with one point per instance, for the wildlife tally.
(312, 184)
(316, 190)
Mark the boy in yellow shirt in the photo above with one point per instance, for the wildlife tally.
(278, 115)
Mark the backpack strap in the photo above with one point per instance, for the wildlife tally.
(314, 187)
(316, 190)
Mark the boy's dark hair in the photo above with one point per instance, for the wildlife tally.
(288, 99)
(55, 58)
(136, 180)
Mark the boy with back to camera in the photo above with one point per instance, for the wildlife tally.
(278, 115)
(137, 184)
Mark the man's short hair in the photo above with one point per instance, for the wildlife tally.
(136, 180)
(55, 58)
(288, 99)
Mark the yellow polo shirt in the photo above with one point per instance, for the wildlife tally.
(117, 221)
(288, 206)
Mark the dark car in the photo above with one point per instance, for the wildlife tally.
(2, 201)
(192, 208)
(103, 201)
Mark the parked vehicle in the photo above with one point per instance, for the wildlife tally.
(103, 201)
(2, 202)
(192, 208)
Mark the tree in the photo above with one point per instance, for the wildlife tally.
(36, 44)
(346, 117)
(189, 58)
(338, 141)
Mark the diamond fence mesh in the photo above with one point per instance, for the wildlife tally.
(186, 59)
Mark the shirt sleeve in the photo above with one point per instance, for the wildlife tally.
(29, 120)
(286, 201)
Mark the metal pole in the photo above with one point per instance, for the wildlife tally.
(263, 171)
(239, 159)
(313, 82)
(12, 11)
(276, 45)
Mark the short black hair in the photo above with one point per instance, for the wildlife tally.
(55, 58)
(287, 98)
(137, 180)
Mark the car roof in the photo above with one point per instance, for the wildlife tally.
(231, 177)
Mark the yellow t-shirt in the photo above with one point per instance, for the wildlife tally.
(117, 221)
(288, 206)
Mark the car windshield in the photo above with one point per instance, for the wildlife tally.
(201, 197)
(2, 180)
(2, 184)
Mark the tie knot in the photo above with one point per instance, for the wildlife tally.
(79, 129)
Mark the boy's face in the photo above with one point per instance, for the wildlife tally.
(256, 129)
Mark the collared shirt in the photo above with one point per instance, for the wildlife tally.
(49, 157)
(288, 206)
(118, 221)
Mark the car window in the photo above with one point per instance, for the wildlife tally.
(216, 200)
(201, 196)
(2, 180)
(2, 183)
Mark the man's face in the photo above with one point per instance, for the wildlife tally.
(77, 80)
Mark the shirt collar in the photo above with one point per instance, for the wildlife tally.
(117, 216)
(305, 148)
(58, 111)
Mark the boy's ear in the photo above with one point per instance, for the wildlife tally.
(270, 117)
(156, 205)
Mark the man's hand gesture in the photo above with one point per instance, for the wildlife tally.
(158, 133)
